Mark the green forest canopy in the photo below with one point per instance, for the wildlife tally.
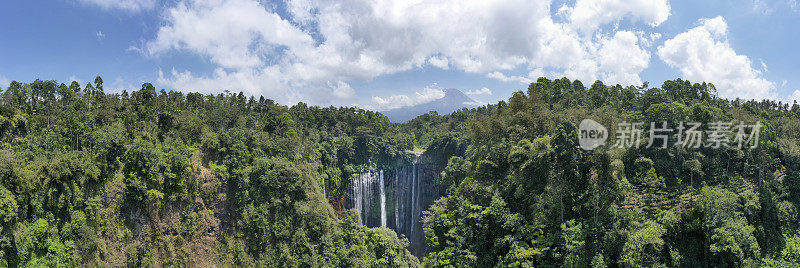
(150, 178)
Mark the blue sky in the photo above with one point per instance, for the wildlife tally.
(388, 54)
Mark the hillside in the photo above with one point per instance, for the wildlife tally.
(524, 193)
(149, 178)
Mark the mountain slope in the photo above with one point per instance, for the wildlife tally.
(453, 100)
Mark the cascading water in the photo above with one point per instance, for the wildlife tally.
(409, 191)
(396, 205)
(414, 192)
(357, 195)
(383, 200)
(362, 195)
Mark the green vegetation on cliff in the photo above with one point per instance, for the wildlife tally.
(162, 179)
(149, 178)
(524, 194)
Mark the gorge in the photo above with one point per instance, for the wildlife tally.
(395, 198)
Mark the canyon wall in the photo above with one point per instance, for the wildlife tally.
(396, 198)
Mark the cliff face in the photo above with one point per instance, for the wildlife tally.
(396, 198)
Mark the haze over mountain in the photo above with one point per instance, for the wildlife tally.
(452, 101)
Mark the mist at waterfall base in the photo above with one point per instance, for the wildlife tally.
(395, 199)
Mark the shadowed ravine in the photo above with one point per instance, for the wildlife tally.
(396, 198)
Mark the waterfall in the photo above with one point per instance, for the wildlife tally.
(396, 204)
(357, 196)
(410, 190)
(383, 200)
(366, 183)
(362, 185)
(414, 193)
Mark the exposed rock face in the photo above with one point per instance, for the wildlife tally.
(396, 198)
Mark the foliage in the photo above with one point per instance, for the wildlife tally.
(162, 178)
(615, 207)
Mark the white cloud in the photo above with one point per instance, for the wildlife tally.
(74, 78)
(428, 94)
(318, 44)
(440, 62)
(127, 5)
(771, 6)
(342, 90)
(4, 82)
(235, 34)
(118, 85)
(621, 59)
(535, 74)
(253, 82)
(473, 103)
(100, 35)
(502, 77)
(482, 91)
(795, 96)
(648, 39)
(761, 7)
(704, 54)
(588, 15)
(301, 10)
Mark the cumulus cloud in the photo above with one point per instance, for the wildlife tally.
(428, 94)
(482, 91)
(251, 81)
(513, 78)
(704, 54)
(621, 59)
(342, 90)
(301, 11)
(616, 59)
(441, 63)
(648, 39)
(235, 34)
(316, 46)
(588, 15)
(126, 5)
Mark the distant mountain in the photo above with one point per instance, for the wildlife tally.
(452, 101)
